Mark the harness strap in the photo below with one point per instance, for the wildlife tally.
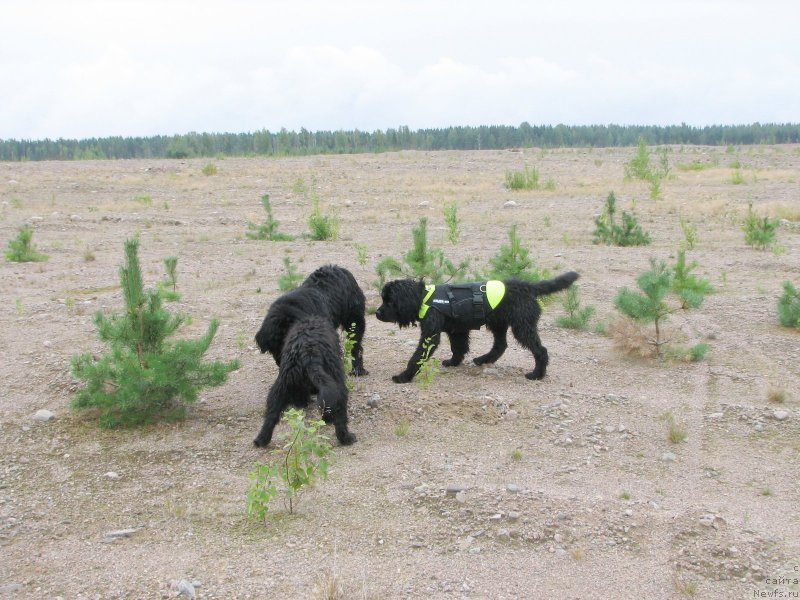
(424, 308)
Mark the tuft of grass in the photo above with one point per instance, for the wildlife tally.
(516, 455)
(291, 278)
(676, 432)
(401, 429)
(625, 495)
(766, 492)
(145, 199)
(777, 395)
(577, 553)
(523, 180)
(210, 169)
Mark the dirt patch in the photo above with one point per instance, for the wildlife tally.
(501, 487)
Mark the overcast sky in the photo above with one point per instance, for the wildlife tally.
(79, 69)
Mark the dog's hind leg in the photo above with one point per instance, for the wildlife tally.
(332, 399)
(276, 402)
(499, 346)
(528, 337)
(459, 345)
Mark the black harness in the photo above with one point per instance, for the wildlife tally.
(463, 302)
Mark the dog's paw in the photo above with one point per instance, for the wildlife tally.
(479, 360)
(534, 375)
(347, 439)
(261, 442)
(451, 362)
(402, 378)
(359, 372)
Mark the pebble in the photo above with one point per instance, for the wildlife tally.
(373, 400)
(513, 488)
(454, 488)
(781, 415)
(185, 588)
(119, 533)
(111, 475)
(511, 415)
(461, 497)
(513, 515)
(668, 457)
(509, 204)
(628, 512)
(43, 415)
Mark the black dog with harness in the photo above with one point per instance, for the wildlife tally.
(467, 303)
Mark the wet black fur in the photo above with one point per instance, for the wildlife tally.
(311, 363)
(331, 292)
(519, 310)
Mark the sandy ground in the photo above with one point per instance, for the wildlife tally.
(570, 486)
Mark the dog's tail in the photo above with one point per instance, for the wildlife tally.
(330, 393)
(551, 286)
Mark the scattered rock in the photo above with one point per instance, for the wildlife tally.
(513, 515)
(186, 588)
(513, 488)
(374, 400)
(111, 475)
(781, 415)
(461, 497)
(43, 415)
(454, 488)
(119, 533)
(509, 204)
(668, 457)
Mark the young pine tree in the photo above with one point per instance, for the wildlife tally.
(513, 261)
(145, 375)
(789, 306)
(650, 305)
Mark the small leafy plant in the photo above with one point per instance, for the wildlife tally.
(268, 230)
(323, 226)
(759, 232)
(349, 341)
(429, 366)
(290, 278)
(22, 249)
(689, 234)
(789, 306)
(362, 253)
(640, 167)
(304, 457)
(210, 169)
(608, 231)
(577, 317)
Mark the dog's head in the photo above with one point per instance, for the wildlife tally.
(270, 337)
(401, 302)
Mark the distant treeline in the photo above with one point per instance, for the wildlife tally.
(304, 142)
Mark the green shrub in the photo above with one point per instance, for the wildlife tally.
(689, 234)
(523, 180)
(291, 278)
(303, 459)
(145, 375)
(268, 230)
(429, 366)
(169, 286)
(759, 232)
(608, 232)
(453, 222)
(577, 317)
(513, 261)
(210, 169)
(22, 249)
(421, 261)
(641, 168)
(323, 227)
(789, 306)
(650, 305)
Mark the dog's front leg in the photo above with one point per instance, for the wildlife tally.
(425, 349)
(276, 401)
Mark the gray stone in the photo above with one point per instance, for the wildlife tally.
(185, 588)
(781, 415)
(119, 533)
(374, 400)
(454, 488)
(509, 204)
(668, 457)
(513, 488)
(43, 415)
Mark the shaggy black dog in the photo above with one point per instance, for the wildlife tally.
(518, 309)
(330, 292)
(310, 363)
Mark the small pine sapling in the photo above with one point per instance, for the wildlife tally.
(789, 306)
(323, 227)
(650, 306)
(22, 249)
(513, 261)
(305, 456)
(268, 230)
(146, 375)
(759, 232)
(169, 286)
(291, 278)
(608, 232)
(690, 237)
(577, 317)
(453, 222)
